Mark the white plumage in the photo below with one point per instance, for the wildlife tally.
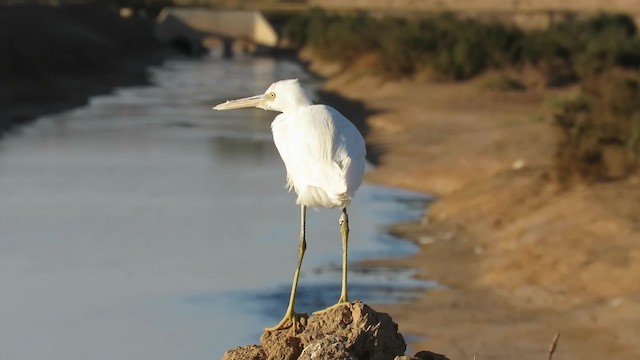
(324, 155)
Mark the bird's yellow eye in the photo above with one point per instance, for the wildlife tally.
(272, 95)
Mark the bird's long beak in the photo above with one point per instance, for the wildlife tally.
(252, 101)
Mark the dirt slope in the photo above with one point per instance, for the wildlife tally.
(520, 257)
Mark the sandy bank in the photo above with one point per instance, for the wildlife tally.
(520, 257)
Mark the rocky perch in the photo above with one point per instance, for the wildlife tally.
(353, 332)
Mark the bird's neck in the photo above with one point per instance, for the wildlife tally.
(299, 99)
(300, 102)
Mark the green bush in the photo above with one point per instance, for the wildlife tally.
(338, 38)
(600, 130)
(350, 36)
(571, 50)
(462, 48)
(455, 48)
(403, 48)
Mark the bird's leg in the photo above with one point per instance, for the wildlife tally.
(290, 315)
(344, 231)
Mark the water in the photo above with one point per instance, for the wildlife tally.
(146, 226)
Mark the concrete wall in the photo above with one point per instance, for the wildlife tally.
(250, 25)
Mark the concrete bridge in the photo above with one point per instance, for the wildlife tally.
(195, 29)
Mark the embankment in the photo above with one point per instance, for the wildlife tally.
(54, 58)
(520, 257)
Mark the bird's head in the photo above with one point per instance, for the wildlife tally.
(280, 96)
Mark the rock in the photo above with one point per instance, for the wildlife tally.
(428, 355)
(350, 332)
(327, 348)
(423, 355)
(249, 352)
(281, 345)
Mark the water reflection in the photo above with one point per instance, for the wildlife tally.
(230, 150)
(132, 226)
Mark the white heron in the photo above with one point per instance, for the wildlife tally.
(324, 155)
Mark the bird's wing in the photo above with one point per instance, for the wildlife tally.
(320, 148)
(280, 131)
(348, 152)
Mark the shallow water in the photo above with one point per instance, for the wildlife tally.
(146, 226)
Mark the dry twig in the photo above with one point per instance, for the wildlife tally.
(553, 346)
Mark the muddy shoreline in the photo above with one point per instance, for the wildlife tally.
(520, 258)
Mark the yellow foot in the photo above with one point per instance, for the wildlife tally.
(339, 304)
(290, 320)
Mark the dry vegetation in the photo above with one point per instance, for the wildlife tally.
(522, 6)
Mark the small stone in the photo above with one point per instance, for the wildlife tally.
(448, 236)
(426, 240)
(428, 355)
(518, 164)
